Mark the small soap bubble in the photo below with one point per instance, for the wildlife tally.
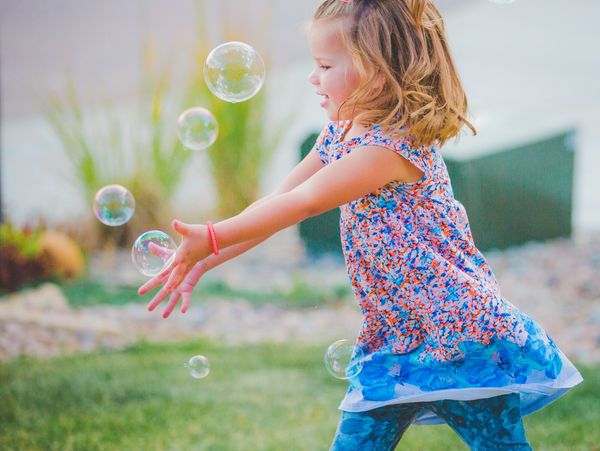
(198, 366)
(114, 205)
(197, 128)
(343, 359)
(153, 252)
(234, 71)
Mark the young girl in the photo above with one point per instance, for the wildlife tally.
(440, 343)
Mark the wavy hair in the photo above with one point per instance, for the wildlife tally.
(408, 80)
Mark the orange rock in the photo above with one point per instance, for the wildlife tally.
(64, 255)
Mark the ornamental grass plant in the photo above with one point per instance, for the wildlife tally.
(137, 146)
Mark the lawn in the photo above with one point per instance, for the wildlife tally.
(263, 397)
(86, 293)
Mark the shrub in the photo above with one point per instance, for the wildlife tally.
(20, 259)
(64, 256)
(30, 256)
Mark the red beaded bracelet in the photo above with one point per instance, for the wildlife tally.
(213, 238)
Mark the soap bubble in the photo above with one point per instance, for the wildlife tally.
(198, 366)
(114, 205)
(343, 360)
(152, 252)
(234, 71)
(197, 128)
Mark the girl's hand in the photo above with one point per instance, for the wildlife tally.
(195, 246)
(185, 271)
(183, 291)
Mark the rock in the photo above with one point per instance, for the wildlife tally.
(46, 297)
(64, 254)
(40, 322)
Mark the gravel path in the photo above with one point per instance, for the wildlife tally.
(557, 283)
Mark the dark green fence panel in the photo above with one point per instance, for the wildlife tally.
(519, 194)
(511, 196)
(320, 234)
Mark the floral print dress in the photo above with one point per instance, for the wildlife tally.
(435, 325)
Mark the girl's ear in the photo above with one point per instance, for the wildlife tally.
(379, 81)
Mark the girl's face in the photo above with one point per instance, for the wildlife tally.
(334, 75)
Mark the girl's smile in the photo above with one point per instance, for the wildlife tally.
(324, 100)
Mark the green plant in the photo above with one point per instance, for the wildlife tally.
(238, 157)
(100, 153)
(31, 255)
(150, 161)
(21, 261)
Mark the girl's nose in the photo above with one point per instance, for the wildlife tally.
(312, 78)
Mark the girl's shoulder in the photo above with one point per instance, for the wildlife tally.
(401, 142)
(332, 144)
(328, 138)
(395, 138)
(331, 132)
(335, 132)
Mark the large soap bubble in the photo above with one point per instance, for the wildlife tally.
(114, 205)
(153, 252)
(234, 71)
(343, 360)
(197, 128)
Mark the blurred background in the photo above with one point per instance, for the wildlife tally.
(90, 92)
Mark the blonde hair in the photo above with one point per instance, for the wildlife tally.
(407, 76)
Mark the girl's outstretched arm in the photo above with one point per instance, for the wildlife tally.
(359, 173)
(301, 172)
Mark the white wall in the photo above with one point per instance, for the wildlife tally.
(530, 70)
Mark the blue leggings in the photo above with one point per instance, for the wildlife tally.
(484, 424)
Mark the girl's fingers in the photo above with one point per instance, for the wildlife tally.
(176, 277)
(157, 280)
(165, 272)
(159, 250)
(157, 299)
(194, 275)
(186, 296)
(186, 286)
(182, 228)
(152, 284)
(171, 304)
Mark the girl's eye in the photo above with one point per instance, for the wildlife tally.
(324, 67)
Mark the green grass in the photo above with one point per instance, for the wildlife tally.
(85, 293)
(255, 398)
